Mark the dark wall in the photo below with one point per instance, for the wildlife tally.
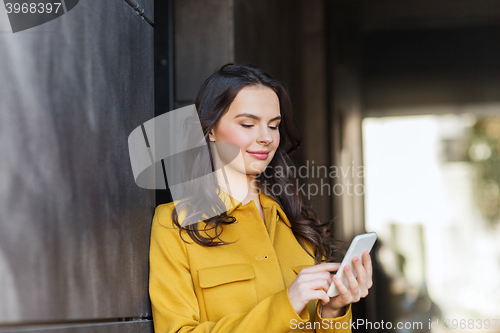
(203, 41)
(440, 65)
(267, 34)
(74, 227)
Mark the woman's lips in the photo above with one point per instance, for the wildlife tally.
(261, 156)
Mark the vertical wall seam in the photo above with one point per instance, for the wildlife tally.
(139, 11)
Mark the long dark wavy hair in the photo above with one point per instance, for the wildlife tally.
(212, 102)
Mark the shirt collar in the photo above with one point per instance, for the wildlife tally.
(266, 201)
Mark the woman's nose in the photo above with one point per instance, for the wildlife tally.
(265, 136)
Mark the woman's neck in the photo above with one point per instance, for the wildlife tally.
(240, 186)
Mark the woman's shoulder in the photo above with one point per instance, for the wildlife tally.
(163, 215)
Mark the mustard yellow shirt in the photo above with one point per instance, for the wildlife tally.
(237, 288)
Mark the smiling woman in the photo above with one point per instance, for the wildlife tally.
(255, 130)
(264, 263)
(252, 124)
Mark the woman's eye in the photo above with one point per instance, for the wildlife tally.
(248, 126)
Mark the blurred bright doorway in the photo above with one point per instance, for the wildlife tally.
(434, 201)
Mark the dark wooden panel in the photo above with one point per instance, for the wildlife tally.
(117, 327)
(143, 8)
(74, 227)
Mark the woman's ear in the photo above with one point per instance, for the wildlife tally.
(211, 136)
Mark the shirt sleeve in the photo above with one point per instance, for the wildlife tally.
(340, 324)
(319, 324)
(175, 304)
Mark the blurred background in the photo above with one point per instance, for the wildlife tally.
(401, 97)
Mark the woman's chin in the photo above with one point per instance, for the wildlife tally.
(253, 172)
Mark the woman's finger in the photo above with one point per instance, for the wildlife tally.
(362, 275)
(320, 294)
(353, 284)
(323, 284)
(367, 263)
(343, 291)
(323, 267)
(304, 276)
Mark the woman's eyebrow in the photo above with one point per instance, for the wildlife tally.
(249, 115)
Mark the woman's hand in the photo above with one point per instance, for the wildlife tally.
(358, 287)
(313, 283)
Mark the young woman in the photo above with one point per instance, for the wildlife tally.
(264, 263)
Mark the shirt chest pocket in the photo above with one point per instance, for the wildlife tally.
(228, 289)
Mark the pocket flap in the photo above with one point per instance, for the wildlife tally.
(297, 269)
(214, 276)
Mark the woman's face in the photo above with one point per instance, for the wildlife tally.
(251, 123)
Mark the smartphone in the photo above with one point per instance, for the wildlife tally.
(359, 244)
